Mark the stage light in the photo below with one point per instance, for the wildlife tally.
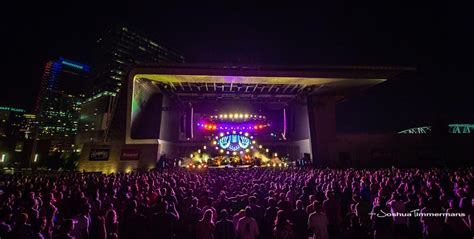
(255, 127)
(260, 126)
(233, 132)
(225, 116)
(226, 132)
(274, 165)
(246, 134)
(217, 148)
(241, 116)
(214, 142)
(231, 116)
(247, 150)
(240, 132)
(204, 147)
(220, 116)
(234, 153)
(246, 116)
(221, 134)
(254, 142)
(199, 166)
(236, 115)
(199, 151)
(251, 147)
(279, 165)
(225, 127)
(276, 155)
(187, 166)
(266, 150)
(214, 127)
(260, 146)
(286, 164)
(221, 151)
(217, 137)
(241, 152)
(251, 137)
(191, 155)
(227, 152)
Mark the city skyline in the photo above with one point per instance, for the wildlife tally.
(364, 35)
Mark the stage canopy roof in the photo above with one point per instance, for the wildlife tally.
(230, 82)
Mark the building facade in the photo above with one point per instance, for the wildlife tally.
(11, 122)
(121, 48)
(116, 53)
(57, 107)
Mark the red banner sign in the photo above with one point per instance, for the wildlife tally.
(130, 154)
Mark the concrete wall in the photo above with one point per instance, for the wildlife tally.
(170, 120)
(322, 126)
(148, 154)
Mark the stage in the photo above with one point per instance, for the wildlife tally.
(240, 166)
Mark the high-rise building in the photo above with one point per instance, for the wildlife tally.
(11, 122)
(94, 117)
(116, 52)
(121, 48)
(28, 125)
(57, 107)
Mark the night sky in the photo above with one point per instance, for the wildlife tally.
(435, 38)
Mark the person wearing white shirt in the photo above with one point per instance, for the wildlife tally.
(318, 222)
(247, 227)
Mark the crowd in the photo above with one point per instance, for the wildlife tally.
(252, 203)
